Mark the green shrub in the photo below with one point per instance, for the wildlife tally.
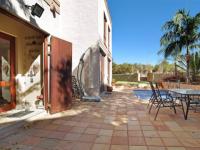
(126, 77)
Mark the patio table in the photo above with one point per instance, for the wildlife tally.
(185, 94)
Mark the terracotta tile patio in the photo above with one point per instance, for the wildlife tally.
(118, 122)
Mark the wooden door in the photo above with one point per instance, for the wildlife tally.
(7, 72)
(60, 75)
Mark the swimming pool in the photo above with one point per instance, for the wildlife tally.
(145, 94)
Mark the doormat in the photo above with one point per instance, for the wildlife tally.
(20, 114)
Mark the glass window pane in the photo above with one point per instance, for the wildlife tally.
(4, 60)
(5, 96)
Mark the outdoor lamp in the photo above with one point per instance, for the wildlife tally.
(36, 10)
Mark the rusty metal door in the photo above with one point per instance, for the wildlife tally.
(60, 97)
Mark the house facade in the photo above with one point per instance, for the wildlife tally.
(39, 54)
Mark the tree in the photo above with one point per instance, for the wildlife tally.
(156, 68)
(130, 68)
(181, 32)
(195, 65)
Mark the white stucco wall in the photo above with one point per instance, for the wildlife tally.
(79, 25)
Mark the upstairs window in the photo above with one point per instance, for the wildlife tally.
(109, 37)
(105, 32)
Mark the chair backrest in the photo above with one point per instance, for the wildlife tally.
(153, 90)
(158, 91)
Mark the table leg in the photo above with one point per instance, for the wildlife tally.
(188, 106)
(182, 107)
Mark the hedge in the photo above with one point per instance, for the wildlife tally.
(125, 77)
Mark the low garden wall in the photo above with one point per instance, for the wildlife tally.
(169, 85)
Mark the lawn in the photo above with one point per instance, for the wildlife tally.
(141, 83)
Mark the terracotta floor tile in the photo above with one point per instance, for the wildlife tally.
(87, 138)
(77, 130)
(81, 124)
(119, 140)
(121, 127)
(57, 135)
(138, 148)
(150, 134)
(120, 133)
(192, 148)
(134, 127)
(64, 128)
(189, 142)
(181, 134)
(156, 148)
(176, 148)
(103, 139)
(135, 133)
(51, 127)
(105, 132)
(148, 128)
(154, 141)
(39, 132)
(166, 134)
(133, 122)
(136, 141)
(94, 125)
(119, 147)
(48, 143)
(32, 141)
(171, 142)
(148, 123)
(92, 131)
(72, 136)
(195, 134)
(65, 145)
(101, 147)
(82, 146)
(173, 126)
(162, 128)
(107, 126)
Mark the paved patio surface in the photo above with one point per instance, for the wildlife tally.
(119, 122)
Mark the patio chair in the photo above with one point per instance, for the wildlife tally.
(161, 100)
(152, 100)
(194, 103)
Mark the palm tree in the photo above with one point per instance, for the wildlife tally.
(181, 34)
(195, 65)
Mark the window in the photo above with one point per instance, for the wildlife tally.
(105, 28)
(108, 37)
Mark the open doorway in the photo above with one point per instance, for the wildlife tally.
(7, 72)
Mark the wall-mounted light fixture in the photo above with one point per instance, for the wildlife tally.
(36, 10)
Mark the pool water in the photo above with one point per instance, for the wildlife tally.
(145, 94)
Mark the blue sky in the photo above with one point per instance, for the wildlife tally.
(137, 27)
